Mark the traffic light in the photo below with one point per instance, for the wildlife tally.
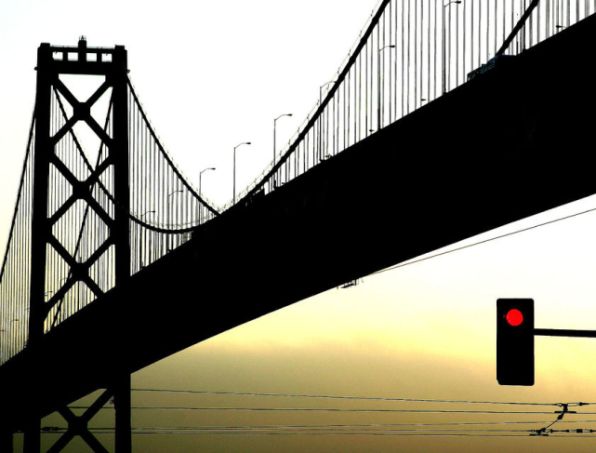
(515, 341)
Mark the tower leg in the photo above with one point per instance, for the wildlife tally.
(6, 442)
(122, 406)
(32, 438)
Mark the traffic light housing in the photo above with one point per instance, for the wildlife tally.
(515, 341)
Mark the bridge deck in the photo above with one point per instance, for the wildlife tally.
(511, 143)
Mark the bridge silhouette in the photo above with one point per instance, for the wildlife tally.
(447, 120)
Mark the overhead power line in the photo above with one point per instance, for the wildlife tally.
(484, 241)
(349, 397)
(334, 432)
(326, 409)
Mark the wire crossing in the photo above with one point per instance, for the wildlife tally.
(446, 417)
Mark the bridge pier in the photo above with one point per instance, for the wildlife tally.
(32, 437)
(6, 444)
(123, 440)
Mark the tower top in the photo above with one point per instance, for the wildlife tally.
(82, 59)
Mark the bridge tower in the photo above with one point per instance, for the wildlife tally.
(55, 68)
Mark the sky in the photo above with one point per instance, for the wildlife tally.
(213, 74)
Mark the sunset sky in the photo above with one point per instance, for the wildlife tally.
(213, 74)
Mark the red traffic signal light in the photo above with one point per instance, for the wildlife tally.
(515, 341)
(514, 317)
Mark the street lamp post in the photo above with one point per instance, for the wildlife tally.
(141, 252)
(200, 195)
(389, 46)
(147, 212)
(444, 44)
(275, 141)
(234, 169)
(169, 218)
(321, 118)
(200, 176)
(321, 90)
(170, 205)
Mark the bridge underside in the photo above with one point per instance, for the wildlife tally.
(511, 143)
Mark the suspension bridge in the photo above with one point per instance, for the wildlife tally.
(446, 120)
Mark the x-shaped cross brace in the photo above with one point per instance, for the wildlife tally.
(78, 425)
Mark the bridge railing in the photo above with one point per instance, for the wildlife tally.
(410, 53)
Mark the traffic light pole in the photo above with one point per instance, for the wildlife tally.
(515, 340)
(565, 333)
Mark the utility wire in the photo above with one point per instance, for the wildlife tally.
(419, 429)
(349, 397)
(479, 433)
(166, 430)
(326, 409)
(484, 241)
(355, 425)
(343, 425)
(313, 428)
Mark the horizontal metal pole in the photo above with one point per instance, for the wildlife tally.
(565, 333)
